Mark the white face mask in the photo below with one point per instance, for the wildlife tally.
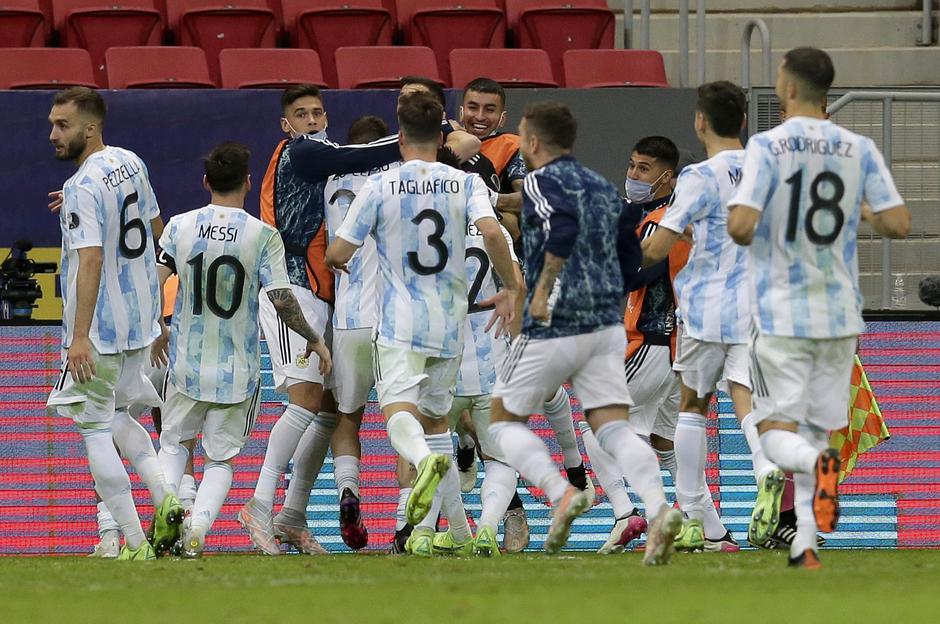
(639, 192)
(294, 133)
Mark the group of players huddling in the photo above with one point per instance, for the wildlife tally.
(407, 253)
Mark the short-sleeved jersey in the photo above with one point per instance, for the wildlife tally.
(356, 304)
(223, 257)
(713, 288)
(418, 215)
(574, 213)
(109, 203)
(481, 349)
(808, 177)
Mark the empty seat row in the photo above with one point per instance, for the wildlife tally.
(322, 25)
(357, 67)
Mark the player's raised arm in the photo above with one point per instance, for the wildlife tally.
(315, 159)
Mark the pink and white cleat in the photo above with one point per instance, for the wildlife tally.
(626, 530)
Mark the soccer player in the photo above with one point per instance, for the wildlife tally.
(418, 216)
(573, 328)
(714, 304)
(798, 206)
(292, 201)
(111, 314)
(224, 258)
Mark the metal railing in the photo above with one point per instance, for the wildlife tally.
(766, 64)
(926, 23)
(644, 43)
(913, 175)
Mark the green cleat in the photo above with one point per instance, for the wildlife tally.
(444, 544)
(144, 552)
(485, 544)
(691, 537)
(766, 513)
(430, 471)
(167, 522)
(421, 542)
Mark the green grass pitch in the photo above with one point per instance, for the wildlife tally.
(854, 586)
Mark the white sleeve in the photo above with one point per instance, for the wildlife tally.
(80, 211)
(880, 190)
(479, 205)
(756, 184)
(688, 201)
(362, 215)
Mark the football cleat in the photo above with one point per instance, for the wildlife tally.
(725, 544)
(515, 530)
(167, 520)
(430, 472)
(256, 519)
(444, 544)
(144, 552)
(108, 547)
(661, 535)
(691, 537)
(353, 531)
(808, 560)
(573, 503)
(826, 498)
(766, 514)
(485, 544)
(625, 530)
(290, 527)
(421, 542)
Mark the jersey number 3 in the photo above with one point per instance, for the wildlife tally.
(827, 205)
(435, 241)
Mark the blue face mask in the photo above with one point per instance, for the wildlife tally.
(638, 192)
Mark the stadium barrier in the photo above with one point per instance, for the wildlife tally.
(891, 499)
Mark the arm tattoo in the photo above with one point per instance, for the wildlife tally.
(550, 270)
(288, 309)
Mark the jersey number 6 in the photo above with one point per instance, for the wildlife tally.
(134, 225)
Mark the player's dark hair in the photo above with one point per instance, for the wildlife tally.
(434, 87)
(367, 128)
(227, 167)
(552, 122)
(87, 101)
(448, 157)
(724, 105)
(419, 117)
(294, 93)
(486, 85)
(660, 148)
(813, 68)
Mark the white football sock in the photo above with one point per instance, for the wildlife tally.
(465, 440)
(691, 454)
(499, 484)
(637, 462)
(112, 483)
(608, 472)
(759, 460)
(407, 437)
(430, 520)
(346, 473)
(558, 413)
(525, 452)
(714, 529)
(187, 490)
(449, 488)
(105, 520)
(400, 518)
(804, 487)
(137, 447)
(172, 458)
(285, 435)
(216, 482)
(308, 461)
(789, 450)
(667, 459)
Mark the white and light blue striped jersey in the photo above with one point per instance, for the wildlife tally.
(109, 203)
(808, 177)
(355, 303)
(224, 257)
(418, 215)
(714, 293)
(482, 351)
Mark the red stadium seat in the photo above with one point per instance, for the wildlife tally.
(326, 25)
(614, 68)
(154, 67)
(214, 25)
(254, 68)
(445, 26)
(381, 67)
(510, 68)
(45, 68)
(22, 24)
(97, 25)
(560, 25)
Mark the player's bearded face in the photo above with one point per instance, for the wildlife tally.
(70, 147)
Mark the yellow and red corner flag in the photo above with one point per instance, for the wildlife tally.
(866, 428)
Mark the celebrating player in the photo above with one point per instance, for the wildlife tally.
(419, 216)
(111, 314)
(798, 206)
(572, 329)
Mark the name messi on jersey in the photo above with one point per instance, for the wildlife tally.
(842, 149)
(119, 175)
(221, 233)
(423, 187)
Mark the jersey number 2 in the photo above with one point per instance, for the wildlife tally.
(479, 254)
(212, 282)
(828, 205)
(436, 242)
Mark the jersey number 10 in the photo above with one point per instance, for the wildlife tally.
(828, 205)
(212, 282)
